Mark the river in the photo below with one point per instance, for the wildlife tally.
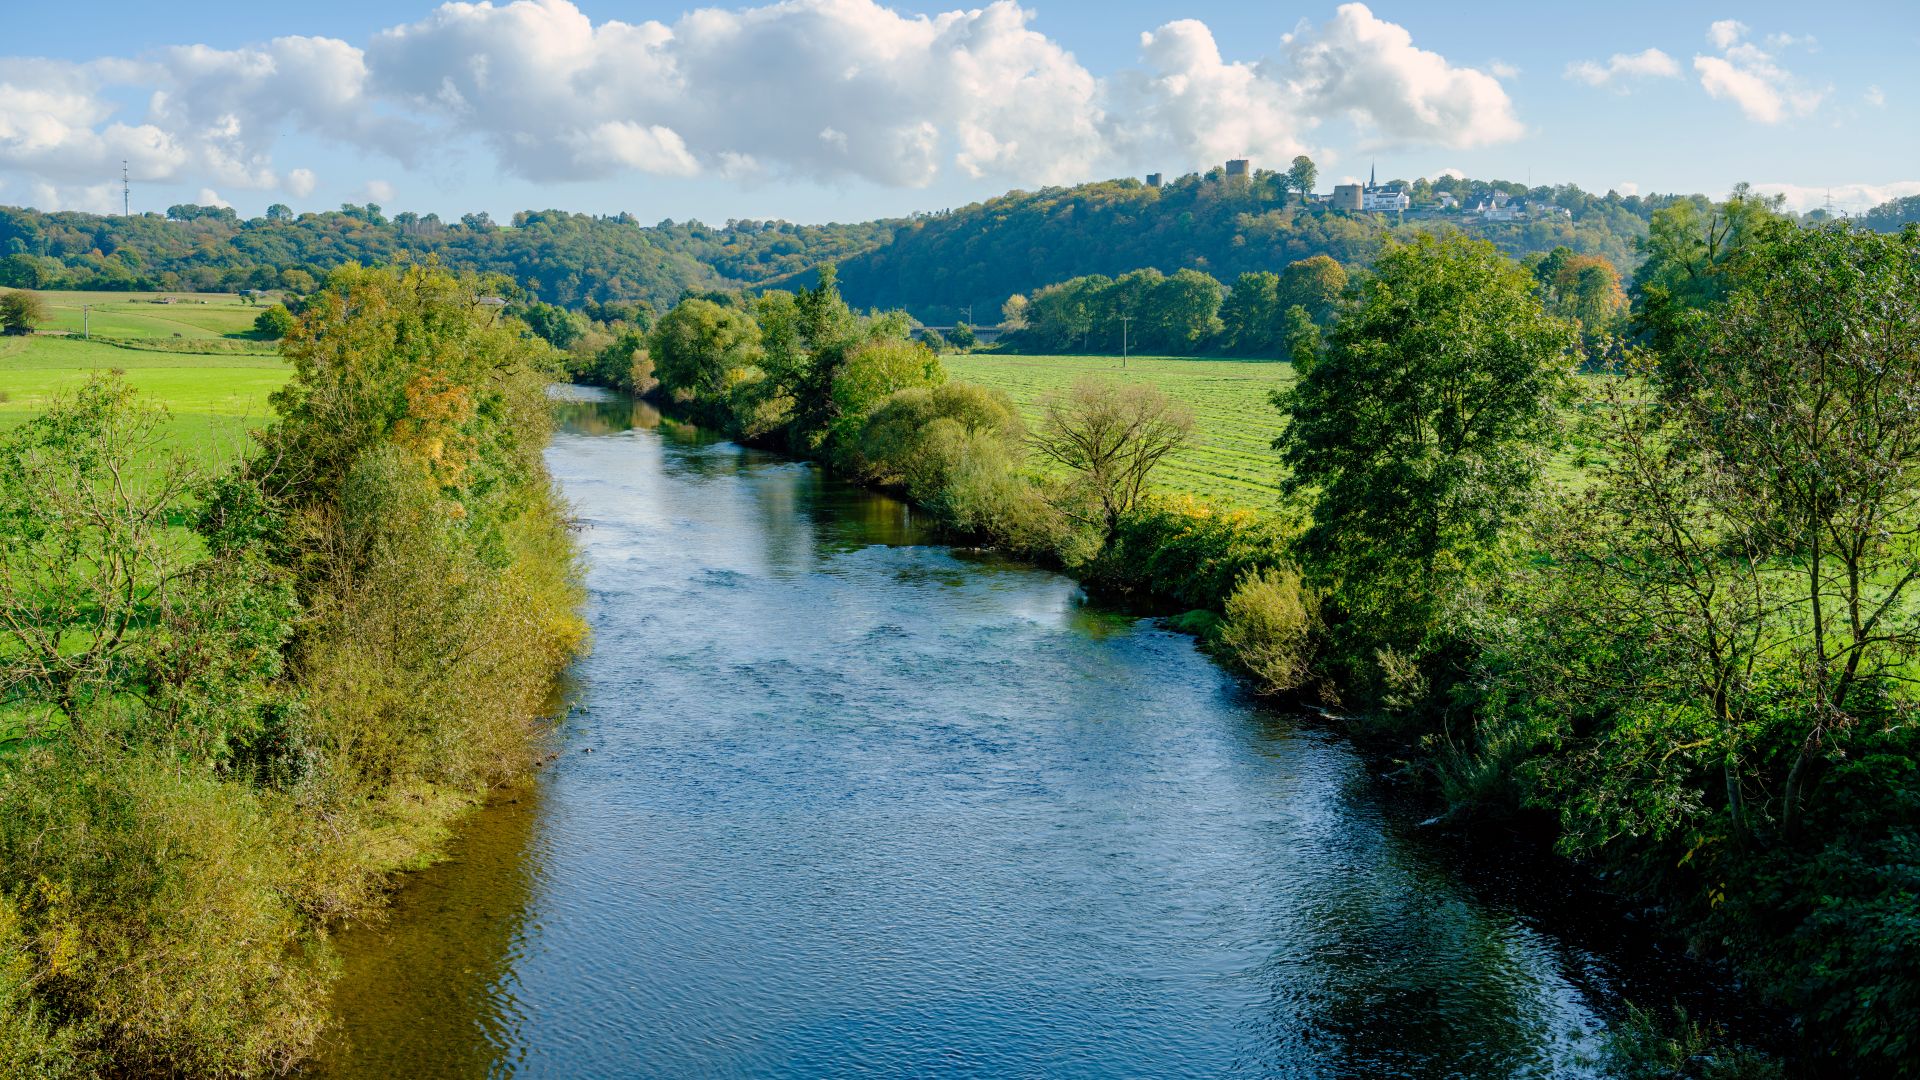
(834, 800)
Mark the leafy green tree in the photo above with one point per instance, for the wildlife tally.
(553, 324)
(1251, 313)
(88, 557)
(274, 322)
(21, 311)
(280, 213)
(1184, 310)
(963, 337)
(1110, 438)
(1302, 176)
(1692, 253)
(698, 346)
(1315, 284)
(1421, 432)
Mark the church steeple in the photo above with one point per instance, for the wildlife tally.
(1373, 178)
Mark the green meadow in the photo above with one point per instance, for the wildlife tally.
(213, 379)
(1230, 458)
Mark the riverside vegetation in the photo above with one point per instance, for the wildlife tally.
(1688, 663)
(234, 700)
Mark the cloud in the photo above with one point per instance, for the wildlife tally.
(1627, 187)
(1853, 198)
(1646, 64)
(210, 197)
(557, 97)
(1193, 101)
(379, 191)
(1750, 77)
(1500, 69)
(1371, 69)
(1725, 32)
(1876, 97)
(820, 89)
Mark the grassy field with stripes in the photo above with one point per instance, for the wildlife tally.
(1230, 458)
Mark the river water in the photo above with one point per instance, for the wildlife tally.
(836, 801)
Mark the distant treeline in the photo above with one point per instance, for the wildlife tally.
(1265, 314)
(935, 266)
(559, 257)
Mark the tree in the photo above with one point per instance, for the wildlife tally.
(1251, 314)
(279, 213)
(1111, 437)
(21, 311)
(963, 337)
(273, 323)
(1420, 432)
(1013, 313)
(1302, 176)
(1315, 284)
(1184, 310)
(1692, 254)
(88, 494)
(697, 346)
(1803, 392)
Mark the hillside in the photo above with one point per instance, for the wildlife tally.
(979, 255)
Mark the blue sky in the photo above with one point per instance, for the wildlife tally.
(846, 109)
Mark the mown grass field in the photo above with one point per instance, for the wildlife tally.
(213, 379)
(142, 315)
(1230, 458)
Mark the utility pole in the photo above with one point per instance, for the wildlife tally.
(1124, 320)
(86, 326)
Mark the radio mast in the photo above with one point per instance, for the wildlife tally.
(126, 191)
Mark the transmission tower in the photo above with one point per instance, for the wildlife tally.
(126, 191)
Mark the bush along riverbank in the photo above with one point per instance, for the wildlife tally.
(1689, 660)
(232, 705)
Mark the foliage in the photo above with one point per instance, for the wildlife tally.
(1418, 436)
(274, 322)
(21, 311)
(562, 258)
(1692, 255)
(1268, 628)
(981, 255)
(240, 731)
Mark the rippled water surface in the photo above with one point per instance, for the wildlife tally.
(861, 805)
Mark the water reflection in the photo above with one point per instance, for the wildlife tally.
(857, 805)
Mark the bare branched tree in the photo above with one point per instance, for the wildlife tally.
(1112, 437)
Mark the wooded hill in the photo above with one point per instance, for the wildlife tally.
(935, 266)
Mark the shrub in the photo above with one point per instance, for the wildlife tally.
(1268, 628)
(152, 910)
(273, 323)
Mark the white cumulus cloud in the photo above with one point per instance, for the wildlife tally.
(1752, 78)
(1193, 100)
(1645, 64)
(821, 89)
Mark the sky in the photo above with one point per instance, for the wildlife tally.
(845, 110)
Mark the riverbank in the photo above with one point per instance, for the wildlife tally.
(242, 694)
